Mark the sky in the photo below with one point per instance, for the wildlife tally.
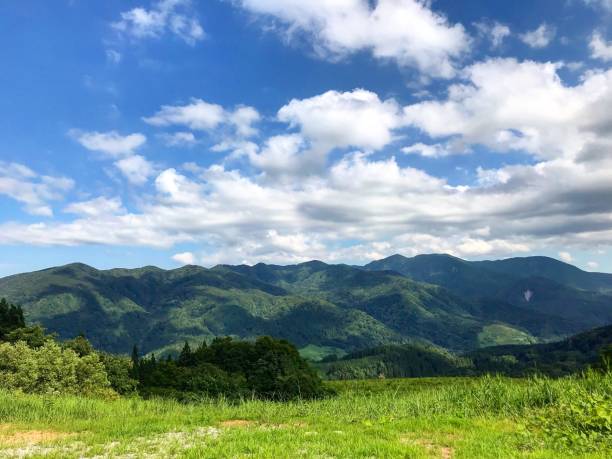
(174, 132)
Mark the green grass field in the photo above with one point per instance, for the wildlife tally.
(420, 418)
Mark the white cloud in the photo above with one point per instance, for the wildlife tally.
(296, 202)
(96, 207)
(566, 257)
(22, 184)
(204, 116)
(136, 169)
(405, 31)
(110, 143)
(178, 139)
(335, 120)
(184, 258)
(524, 106)
(495, 32)
(166, 16)
(540, 37)
(429, 151)
(600, 48)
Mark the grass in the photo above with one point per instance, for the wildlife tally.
(411, 418)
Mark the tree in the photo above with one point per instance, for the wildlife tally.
(186, 356)
(11, 318)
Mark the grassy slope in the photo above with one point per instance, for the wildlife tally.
(425, 418)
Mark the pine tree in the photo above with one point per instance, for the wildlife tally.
(186, 357)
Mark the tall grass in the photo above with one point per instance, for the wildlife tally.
(360, 408)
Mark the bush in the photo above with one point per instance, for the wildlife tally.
(51, 370)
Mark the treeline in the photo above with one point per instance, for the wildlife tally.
(35, 362)
(396, 361)
(267, 368)
(592, 349)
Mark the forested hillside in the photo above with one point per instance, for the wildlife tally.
(326, 309)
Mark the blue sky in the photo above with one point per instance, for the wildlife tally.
(175, 131)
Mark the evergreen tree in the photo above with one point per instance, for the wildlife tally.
(11, 318)
(186, 356)
(135, 373)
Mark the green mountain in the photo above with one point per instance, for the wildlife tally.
(570, 355)
(323, 309)
(556, 359)
(537, 284)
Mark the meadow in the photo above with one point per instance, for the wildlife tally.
(413, 418)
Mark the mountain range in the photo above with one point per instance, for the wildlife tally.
(324, 309)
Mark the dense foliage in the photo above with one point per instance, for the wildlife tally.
(569, 356)
(396, 361)
(266, 368)
(11, 318)
(34, 362)
(51, 369)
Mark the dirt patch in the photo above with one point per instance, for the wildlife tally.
(236, 423)
(11, 437)
(435, 449)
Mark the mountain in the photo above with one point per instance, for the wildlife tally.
(556, 359)
(561, 358)
(326, 309)
(537, 284)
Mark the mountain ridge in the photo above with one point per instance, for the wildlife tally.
(338, 306)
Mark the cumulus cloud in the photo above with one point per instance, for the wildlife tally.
(135, 168)
(356, 206)
(405, 31)
(429, 150)
(378, 205)
(35, 191)
(508, 105)
(184, 258)
(166, 16)
(540, 37)
(204, 116)
(109, 143)
(566, 256)
(600, 48)
(335, 120)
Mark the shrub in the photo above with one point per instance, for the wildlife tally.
(51, 370)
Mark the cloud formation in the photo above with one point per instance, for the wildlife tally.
(166, 16)
(135, 168)
(35, 191)
(199, 115)
(600, 48)
(540, 37)
(405, 31)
